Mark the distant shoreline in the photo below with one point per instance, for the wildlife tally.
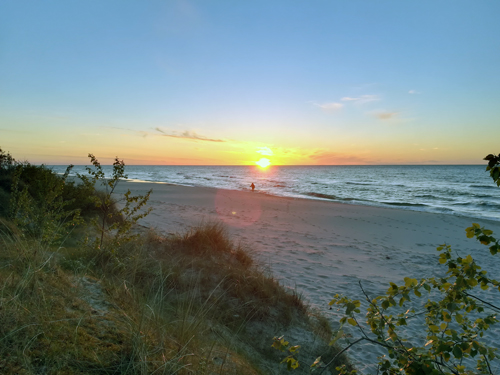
(458, 190)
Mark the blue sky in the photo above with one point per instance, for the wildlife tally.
(215, 82)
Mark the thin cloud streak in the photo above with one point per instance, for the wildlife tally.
(385, 115)
(362, 99)
(330, 107)
(187, 135)
(265, 151)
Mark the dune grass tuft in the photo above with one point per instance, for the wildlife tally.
(187, 304)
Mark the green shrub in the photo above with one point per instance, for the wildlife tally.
(38, 208)
(113, 225)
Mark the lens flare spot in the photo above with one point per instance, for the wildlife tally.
(237, 209)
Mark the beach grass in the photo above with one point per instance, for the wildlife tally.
(190, 303)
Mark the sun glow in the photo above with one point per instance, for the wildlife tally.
(263, 163)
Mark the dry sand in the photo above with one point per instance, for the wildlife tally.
(320, 247)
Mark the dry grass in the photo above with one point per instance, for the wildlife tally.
(189, 304)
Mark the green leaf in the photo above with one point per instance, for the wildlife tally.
(336, 337)
(472, 282)
(295, 363)
(279, 343)
(457, 352)
(446, 286)
(350, 308)
(489, 157)
(317, 362)
(433, 328)
(410, 282)
(494, 249)
(446, 317)
(495, 173)
(467, 260)
(352, 322)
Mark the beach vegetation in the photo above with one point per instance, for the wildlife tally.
(113, 225)
(457, 315)
(189, 303)
(6, 159)
(494, 167)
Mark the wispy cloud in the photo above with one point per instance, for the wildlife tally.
(385, 115)
(330, 107)
(186, 135)
(413, 92)
(361, 99)
(265, 151)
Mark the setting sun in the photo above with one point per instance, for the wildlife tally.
(263, 163)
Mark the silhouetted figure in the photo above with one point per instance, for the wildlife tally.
(252, 186)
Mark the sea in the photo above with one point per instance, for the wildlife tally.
(465, 190)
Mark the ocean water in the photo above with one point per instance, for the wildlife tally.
(465, 190)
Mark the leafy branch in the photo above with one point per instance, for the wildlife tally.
(114, 225)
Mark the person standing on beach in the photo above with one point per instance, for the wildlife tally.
(252, 186)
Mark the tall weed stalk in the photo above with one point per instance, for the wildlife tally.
(114, 225)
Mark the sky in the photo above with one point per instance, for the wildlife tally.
(224, 82)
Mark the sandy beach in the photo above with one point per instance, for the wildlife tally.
(319, 247)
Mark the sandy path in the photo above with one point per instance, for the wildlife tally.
(320, 247)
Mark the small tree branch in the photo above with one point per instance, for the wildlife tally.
(360, 328)
(342, 351)
(488, 363)
(385, 320)
(483, 301)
